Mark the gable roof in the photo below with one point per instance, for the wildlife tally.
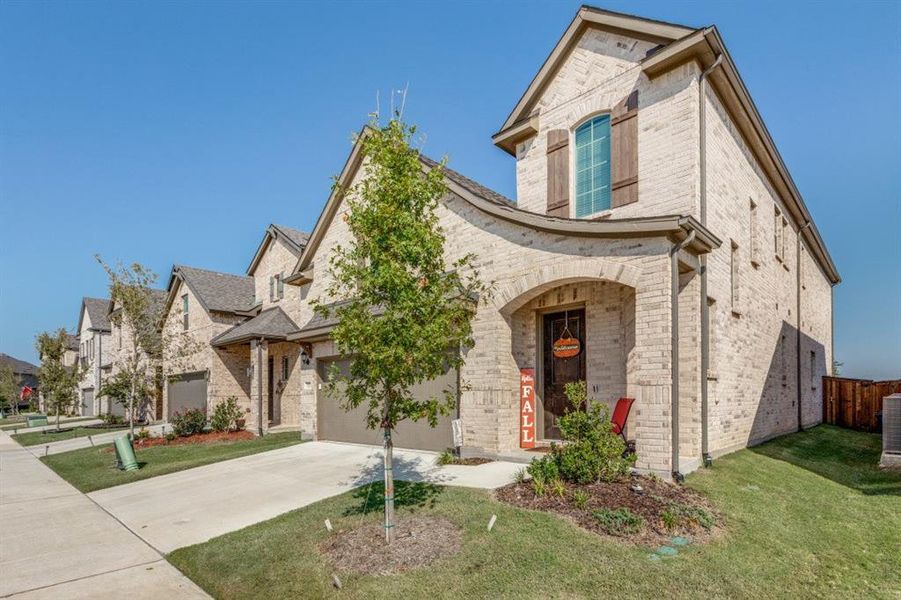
(98, 311)
(19, 367)
(221, 292)
(517, 124)
(157, 301)
(294, 239)
(71, 342)
(271, 324)
(677, 227)
(678, 44)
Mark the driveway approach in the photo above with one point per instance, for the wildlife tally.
(56, 543)
(190, 507)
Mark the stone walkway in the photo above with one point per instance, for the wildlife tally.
(55, 542)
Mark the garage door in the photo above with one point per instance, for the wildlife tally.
(87, 403)
(187, 392)
(336, 424)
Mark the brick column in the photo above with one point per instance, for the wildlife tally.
(259, 389)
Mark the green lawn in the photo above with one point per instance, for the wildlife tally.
(20, 424)
(807, 516)
(36, 438)
(92, 469)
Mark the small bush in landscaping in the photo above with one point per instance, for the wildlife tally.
(142, 434)
(539, 487)
(558, 488)
(170, 436)
(519, 476)
(678, 515)
(225, 415)
(592, 451)
(189, 422)
(620, 522)
(446, 458)
(111, 419)
(580, 499)
(544, 469)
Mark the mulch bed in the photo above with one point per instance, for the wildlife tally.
(199, 438)
(420, 541)
(655, 498)
(472, 461)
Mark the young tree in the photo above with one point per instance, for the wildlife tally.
(408, 312)
(146, 346)
(59, 383)
(9, 388)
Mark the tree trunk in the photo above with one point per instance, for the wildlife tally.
(131, 410)
(389, 486)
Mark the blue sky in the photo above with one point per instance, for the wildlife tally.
(175, 132)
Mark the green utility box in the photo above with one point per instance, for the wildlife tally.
(126, 454)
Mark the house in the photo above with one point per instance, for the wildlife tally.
(228, 316)
(121, 354)
(655, 221)
(26, 375)
(93, 354)
(70, 359)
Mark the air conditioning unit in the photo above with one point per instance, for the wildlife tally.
(891, 432)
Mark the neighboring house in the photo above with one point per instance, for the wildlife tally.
(151, 407)
(203, 304)
(234, 319)
(93, 354)
(654, 220)
(70, 360)
(26, 374)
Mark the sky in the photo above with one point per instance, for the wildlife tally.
(175, 132)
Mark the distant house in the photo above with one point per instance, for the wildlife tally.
(93, 353)
(25, 372)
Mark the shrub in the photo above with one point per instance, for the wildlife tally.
(621, 521)
(170, 436)
(143, 434)
(592, 451)
(225, 415)
(519, 476)
(558, 488)
(544, 469)
(189, 422)
(111, 419)
(446, 458)
(539, 487)
(580, 499)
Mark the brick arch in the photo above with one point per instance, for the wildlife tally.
(516, 292)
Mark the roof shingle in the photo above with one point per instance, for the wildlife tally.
(222, 292)
(271, 324)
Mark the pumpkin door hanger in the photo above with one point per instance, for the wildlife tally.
(566, 346)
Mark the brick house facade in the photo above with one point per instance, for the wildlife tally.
(654, 211)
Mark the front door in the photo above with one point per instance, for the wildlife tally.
(270, 382)
(560, 371)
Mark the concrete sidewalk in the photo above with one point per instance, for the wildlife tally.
(64, 423)
(83, 442)
(190, 507)
(57, 543)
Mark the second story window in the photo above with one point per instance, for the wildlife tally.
(276, 287)
(592, 166)
(184, 312)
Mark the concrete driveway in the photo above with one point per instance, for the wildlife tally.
(190, 507)
(56, 543)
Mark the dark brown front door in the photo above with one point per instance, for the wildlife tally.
(560, 371)
(269, 399)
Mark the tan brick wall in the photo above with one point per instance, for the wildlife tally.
(277, 259)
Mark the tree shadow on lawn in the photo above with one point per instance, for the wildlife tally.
(850, 458)
(409, 489)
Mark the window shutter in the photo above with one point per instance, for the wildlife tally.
(558, 172)
(624, 151)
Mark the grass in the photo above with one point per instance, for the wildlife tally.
(807, 516)
(35, 438)
(91, 469)
(20, 422)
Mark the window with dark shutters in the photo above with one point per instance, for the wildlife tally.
(624, 151)
(558, 172)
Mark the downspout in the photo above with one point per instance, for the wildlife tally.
(798, 318)
(260, 386)
(674, 340)
(99, 371)
(705, 309)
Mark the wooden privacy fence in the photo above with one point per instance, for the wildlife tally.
(854, 403)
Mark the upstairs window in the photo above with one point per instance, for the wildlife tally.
(592, 170)
(184, 312)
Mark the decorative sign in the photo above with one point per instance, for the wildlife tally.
(567, 347)
(527, 408)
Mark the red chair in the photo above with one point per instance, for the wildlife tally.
(621, 415)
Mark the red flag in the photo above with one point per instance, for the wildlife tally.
(26, 392)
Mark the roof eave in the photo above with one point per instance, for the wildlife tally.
(704, 46)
